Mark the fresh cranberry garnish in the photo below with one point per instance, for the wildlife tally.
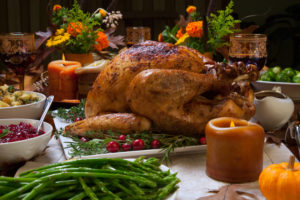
(77, 119)
(122, 137)
(126, 147)
(84, 139)
(113, 146)
(155, 144)
(138, 144)
(202, 140)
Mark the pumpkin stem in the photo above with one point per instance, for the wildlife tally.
(291, 163)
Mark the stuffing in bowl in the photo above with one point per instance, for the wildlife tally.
(20, 104)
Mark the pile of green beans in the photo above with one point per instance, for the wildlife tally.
(105, 179)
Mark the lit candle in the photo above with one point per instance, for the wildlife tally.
(62, 79)
(234, 150)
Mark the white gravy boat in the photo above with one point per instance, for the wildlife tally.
(273, 109)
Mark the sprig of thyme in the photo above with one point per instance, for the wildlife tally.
(69, 115)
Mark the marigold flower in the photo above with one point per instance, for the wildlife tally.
(56, 7)
(101, 41)
(191, 9)
(60, 31)
(160, 38)
(74, 28)
(57, 39)
(102, 12)
(195, 29)
(179, 33)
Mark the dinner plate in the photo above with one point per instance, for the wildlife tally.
(60, 124)
(290, 89)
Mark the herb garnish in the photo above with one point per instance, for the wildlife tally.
(4, 132)
(71, 114)
(98, 146)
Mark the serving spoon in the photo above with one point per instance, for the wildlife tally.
(47, 105)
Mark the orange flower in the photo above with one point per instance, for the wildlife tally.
(191, 9)
(195, 29)
(56, 7)
(160, 38)
(74, 28)
(179, 33)
(101, 41)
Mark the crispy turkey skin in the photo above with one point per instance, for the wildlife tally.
(108, 91)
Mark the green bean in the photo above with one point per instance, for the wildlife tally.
(13, 194)
(6, 188)
(57, 193)
(16, 180)
(87, 189)
(34, 192)
(137, 190)
(85, 169)
(164, 192)
(102, 187)
(65, 183)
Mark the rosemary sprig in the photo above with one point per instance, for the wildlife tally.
(71, 114)
(98, 146)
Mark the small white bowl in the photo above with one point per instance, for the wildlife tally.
(29, 111)
(19, 151)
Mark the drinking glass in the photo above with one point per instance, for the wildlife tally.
(17, 50)
(137, 34)
(248, 48)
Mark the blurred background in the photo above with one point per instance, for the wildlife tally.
(279, 19)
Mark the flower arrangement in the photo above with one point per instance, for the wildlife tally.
(79, 32)
(190, 31)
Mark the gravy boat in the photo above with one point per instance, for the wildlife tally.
(273, 109)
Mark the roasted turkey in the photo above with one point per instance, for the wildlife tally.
(175, 87)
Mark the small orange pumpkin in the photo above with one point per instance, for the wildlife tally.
(281, 181)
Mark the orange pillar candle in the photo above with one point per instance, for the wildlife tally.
(62, 79)
(234, 150)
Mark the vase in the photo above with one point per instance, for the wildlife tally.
(84, 59)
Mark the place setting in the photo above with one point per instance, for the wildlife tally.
(150, 100)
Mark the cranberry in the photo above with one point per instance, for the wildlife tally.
(155, 144)
(113, 146)
(138, 144)
(126, 146)
(84, 139)
(202, 140)
(77, 119)
(122, 137)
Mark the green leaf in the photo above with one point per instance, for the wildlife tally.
(5, 132)
(170, 35)
(220, 25)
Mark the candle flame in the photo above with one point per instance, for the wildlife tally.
(232, 124)
(63, 57)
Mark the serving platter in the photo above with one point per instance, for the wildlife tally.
(290, 89)
(61, 124)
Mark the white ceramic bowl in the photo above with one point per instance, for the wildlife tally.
(15, 152)
(29, 111)
(292, 90)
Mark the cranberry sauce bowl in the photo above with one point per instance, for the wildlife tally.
(19, 142)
